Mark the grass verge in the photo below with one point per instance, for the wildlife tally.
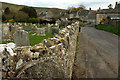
(77, 47)
(109, 28)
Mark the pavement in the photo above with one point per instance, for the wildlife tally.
(97, 54)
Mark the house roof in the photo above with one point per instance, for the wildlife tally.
(83, 12)
(105, 11)
(116, 10)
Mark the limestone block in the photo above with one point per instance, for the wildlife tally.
(48, 42)
(19, 63)
(39, 48)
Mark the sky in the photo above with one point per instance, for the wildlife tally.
(64, 4)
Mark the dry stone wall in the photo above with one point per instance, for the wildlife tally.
(52, 58)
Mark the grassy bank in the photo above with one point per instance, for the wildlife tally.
(109, 28)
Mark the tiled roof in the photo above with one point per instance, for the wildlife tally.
(83, 12)
(105, 11)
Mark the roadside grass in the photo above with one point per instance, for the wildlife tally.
(35, 39)
(109, 28)
(77, 48)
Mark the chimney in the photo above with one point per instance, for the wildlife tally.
(90, 9)
(116, 5)
(99, 8)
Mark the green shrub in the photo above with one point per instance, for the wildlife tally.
(21, 16)
(7, 10)
(30, 11)
(33, 20)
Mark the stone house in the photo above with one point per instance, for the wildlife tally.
(84, 15)
(91, 17)
(113, 14)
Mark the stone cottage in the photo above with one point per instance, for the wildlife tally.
(113, 14)
(84, 15)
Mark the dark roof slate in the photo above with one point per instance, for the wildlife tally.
(105, 11)
(83, 13)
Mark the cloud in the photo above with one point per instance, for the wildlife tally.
(64, 4)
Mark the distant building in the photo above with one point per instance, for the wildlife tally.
(113, 14)
(91, 16)
(51, 13)
(84, 15)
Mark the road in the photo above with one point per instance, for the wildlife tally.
(97, 54)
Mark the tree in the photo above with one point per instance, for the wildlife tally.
(21, 16)
(110, 6)
(82, 7)
(30, 11)
(3, 18)
(7, 10)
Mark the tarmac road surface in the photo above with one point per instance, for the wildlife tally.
(97, 54)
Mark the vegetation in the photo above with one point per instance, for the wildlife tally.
(15, 8)
(82, 25)
(80, 7)
(30, 11)
(5, 42)
(33, 20)
(35, 39)
(109, 28)
(7, 15)
(7, 10)
(21, 16)
(110, 6)
(3, 18)
(11, 11)
(77, 48)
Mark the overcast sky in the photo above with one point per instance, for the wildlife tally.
(64, 4)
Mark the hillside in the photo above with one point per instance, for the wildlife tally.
(15, 8)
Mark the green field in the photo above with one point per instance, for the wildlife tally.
(109, 28)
